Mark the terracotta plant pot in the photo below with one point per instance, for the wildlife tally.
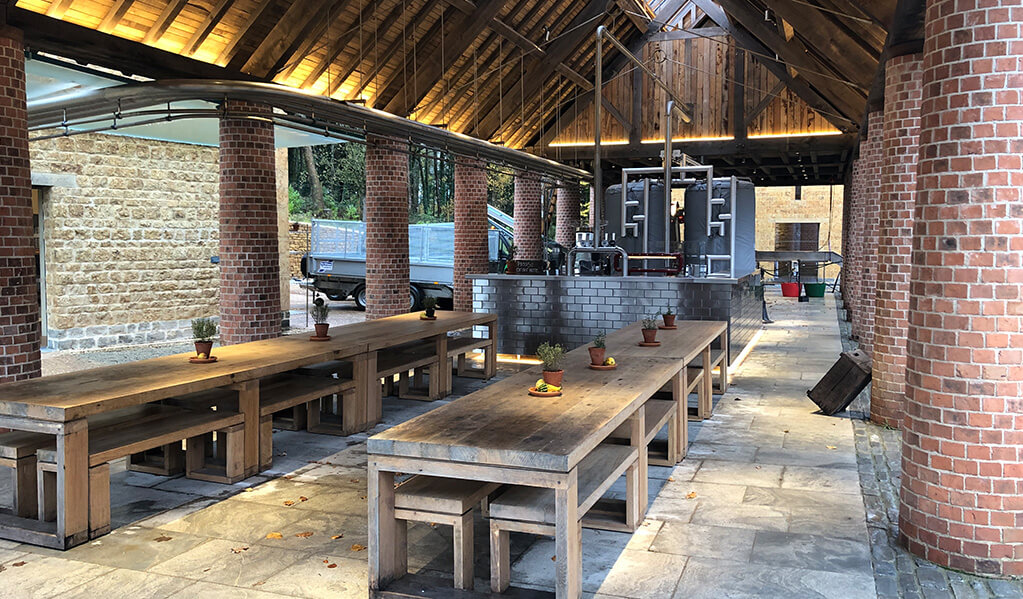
(597, 355)
(203, 348)
(669, 319)
(430, 312)
(553, 377)
(321, 328)
(649, 335)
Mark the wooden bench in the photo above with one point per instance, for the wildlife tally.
(417, 358)
(285, 391)
(717, 360)
(124, 432)
(659, 412)
(532, 509)
(446, 501)
(18, 453)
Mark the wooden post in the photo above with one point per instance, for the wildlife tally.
(388, 554)
(678, 439)
(706, 404)
(725, 357)
(248, 405)
(636, 475)
(568, 539)
(73, 483)
(490, 354)
(442, 369)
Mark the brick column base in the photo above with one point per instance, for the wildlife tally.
(900, 149)
(527, 216)
(250, 285)
(472, 250)
(568, 213)
(387, 258)
(19, 298)
(962, 455)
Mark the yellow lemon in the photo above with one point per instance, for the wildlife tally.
(609, 362)
(202, 356)
(553, 388)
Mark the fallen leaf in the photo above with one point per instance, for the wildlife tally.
(162, 538)
(671, 479)
(303, 498)
(304, 535)
(831, 446)
(260, 583)
(691, 495)
(19, 564)
(786, 430)
(353, 480)
(237, 550)
(756, 467)
(2, 568)
(336, 537)
(274, 535)
(362, 496)
(247, 490)
(331, 565)
(554, 558)
(207, 569)
(326, 561)
(289, 476)
(289, 503)
(357, 547)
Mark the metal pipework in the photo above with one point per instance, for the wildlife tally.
(598, 250)
(652, 170)
(598, 85)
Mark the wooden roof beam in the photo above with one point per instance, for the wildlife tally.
(58, 8)
(286, 35)
(231, 50)
(164, 20)
(114, 15)
(461, 31)
(341, 43)
(204, 30)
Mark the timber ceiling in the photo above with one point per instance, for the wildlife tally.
(507, 71)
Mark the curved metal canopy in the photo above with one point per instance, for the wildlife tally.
(118, 106)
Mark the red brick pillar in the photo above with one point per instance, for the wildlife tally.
(853, 245)
(568, 213)
(250, 283)
(19, 291)
(962, 455)
(900, 150)
(527, 216)
(863, 237)
(387, 260)
(472, 250)
(846, 210)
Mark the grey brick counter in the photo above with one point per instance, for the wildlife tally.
(571, 310)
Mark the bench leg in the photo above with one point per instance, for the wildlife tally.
(448, 380)
(568, 540)
(403, 384)
(388, 536)
(46, 482)
(195, 454)
(678, 425)
(500, 560)
(235, 467)
(461, 367)
(636, 475)
(463, 540)
(490, 352)
(99, 500)
(706, 404)
(24, 476)
(266, 443)
(312, 409)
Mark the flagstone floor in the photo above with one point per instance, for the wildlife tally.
(767, 504)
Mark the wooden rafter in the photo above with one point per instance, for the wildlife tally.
(307, 31)
(764, 103)
(461, 30)
(210, 23)
(164, 20)
(114, 15)
(296, 24)
(336, 47)
(637, 12)
(58, 8)
(237, 42)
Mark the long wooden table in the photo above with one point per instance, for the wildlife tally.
(501, 434)
(60, 405)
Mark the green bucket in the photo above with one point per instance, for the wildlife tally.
(815, 289)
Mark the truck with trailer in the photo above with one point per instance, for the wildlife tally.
(336, 262)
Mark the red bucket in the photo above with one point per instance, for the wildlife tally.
(790, 289)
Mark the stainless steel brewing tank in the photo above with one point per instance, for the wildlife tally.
(654, 212)
(743, 213)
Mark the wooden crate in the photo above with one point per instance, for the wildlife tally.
(843, 382)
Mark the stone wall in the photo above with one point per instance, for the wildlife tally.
(129, 228)
(818, 204)
(298, 245)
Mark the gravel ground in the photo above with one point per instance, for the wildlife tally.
(57, 362)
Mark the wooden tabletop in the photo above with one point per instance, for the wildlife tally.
(504, 426)
(684, 343)
(75, 395)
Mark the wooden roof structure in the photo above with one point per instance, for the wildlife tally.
(515, 72)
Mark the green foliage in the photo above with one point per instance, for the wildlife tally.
(342, 173)
(650, 323)
(429, 302)
(320, 312)
(551, 356)
(600, 340)
(204, 329)
(501, 191)
(668, 312)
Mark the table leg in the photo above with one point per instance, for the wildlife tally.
(441, 374)
(248, 405)
(367, 408)
(388, 552)
(636, 475)
(490, 353)
(723, 382)
(706, 405)
(678, 444)
(73, 483)
(568, 540)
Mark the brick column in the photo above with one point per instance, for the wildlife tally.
(387, 261)
(846, 210)
(962, 456)
(19, 291)
(865, 222)
(250, 286)
(472, 250)
(900, 149)
(568, 213)
(853, 244)
(527, 216)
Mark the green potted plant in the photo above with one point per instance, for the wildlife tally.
(320, 312)
(669, 318)
(597, 349)
(430, 304)
(510, 267)
(551, 356)
(650, 330)
(203, 331)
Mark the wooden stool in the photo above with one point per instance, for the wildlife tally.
(445, 501)
(18, 452)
